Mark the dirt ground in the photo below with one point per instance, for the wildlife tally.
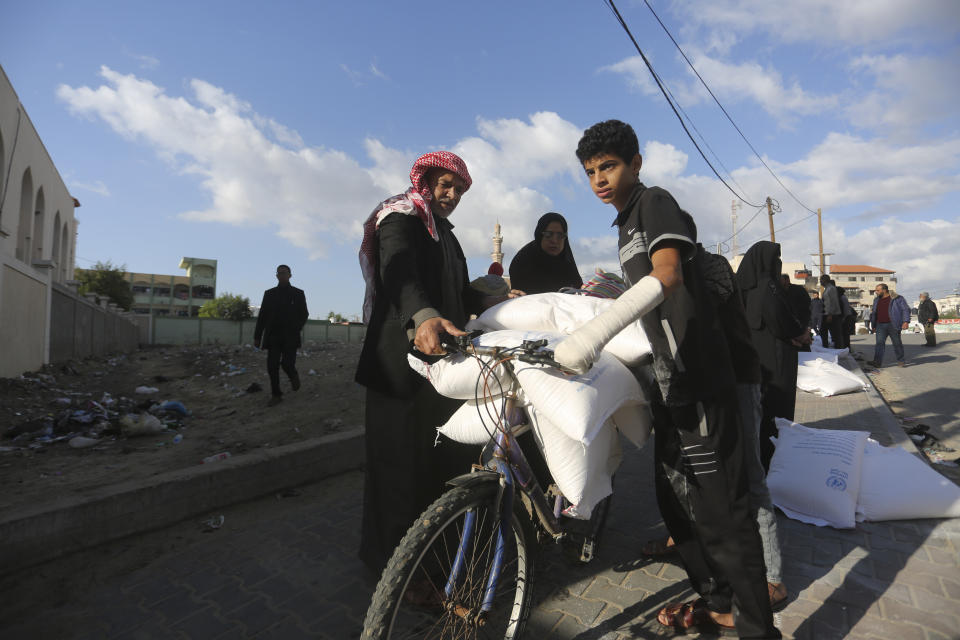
(44, 415)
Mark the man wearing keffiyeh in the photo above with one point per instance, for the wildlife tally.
(417, 288)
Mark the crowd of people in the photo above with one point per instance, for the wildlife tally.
(724, 366)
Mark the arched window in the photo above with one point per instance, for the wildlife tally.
(25, 221)
(39, 214)
(66, 266)
(55, 252)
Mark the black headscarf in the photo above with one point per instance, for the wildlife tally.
(533, 270)
(758, 273)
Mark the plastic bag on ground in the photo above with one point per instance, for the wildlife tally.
(142, 425)
(815, 474)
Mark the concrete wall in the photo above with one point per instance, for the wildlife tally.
(79, 328)
(37, 237)
(173, 330)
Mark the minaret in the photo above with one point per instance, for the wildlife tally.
(497, 254)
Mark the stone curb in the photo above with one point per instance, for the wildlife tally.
(888, 420)
(36, 534)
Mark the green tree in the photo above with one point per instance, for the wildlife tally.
(107, 280)
(335, 317)
(227, 307)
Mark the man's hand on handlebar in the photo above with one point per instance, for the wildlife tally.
(427, 338)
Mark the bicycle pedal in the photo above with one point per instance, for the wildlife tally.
(586, 551)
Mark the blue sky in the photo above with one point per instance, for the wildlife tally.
(259, 133)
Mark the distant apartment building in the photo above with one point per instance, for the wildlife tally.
(170, 295)
(859, 282)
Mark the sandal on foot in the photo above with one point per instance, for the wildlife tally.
(658, 548)
(694, 615)
(778, 596)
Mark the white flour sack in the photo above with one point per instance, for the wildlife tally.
(473, 423)
(804, 357)
(563, 313)
(458, 376)
(815, 474)
(582, 472)
(827, 378)
(897, 485)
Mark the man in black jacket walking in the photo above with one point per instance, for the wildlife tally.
(283, 313)
(928, 315)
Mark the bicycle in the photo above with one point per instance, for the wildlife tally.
(465, 568)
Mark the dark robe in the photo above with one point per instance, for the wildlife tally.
(417, 278)
(533, 270)
(772, 325)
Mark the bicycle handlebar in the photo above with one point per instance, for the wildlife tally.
(530, 351)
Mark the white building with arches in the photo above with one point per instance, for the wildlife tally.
(37, 237)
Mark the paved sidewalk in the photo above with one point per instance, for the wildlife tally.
(284, 567)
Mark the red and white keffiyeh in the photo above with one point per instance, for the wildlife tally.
(414, 201)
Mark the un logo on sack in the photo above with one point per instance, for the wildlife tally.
(836, 480)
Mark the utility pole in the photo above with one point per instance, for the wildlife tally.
(773, 238)
(820, 236)
(733, 215)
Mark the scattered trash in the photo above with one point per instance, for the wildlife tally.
(237, 372)
(63, 401)
(177, 439)
(218, 456)
(146, 390)
(172, 406)
(254, 387)
(142, 425)
(213, 523)
(82, 442)
(312, 372)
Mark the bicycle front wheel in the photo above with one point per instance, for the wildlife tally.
(412, 601)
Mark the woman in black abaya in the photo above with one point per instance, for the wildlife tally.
(776, 334)
(547, 263)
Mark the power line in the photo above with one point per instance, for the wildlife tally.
(666, 97)
(710, 91)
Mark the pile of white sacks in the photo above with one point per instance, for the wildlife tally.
(837, 478)
(574, 419)
(819, 371)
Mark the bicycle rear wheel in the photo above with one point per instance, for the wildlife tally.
(410, 600)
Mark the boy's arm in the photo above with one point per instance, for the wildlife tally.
(582, 348)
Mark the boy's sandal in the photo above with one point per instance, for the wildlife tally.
(684, 616)
(658, 548)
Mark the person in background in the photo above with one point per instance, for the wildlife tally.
(799, 303)
(832, 312)
(283, 312)
(889, 316)
(546, 264)
(777, 336)
(816, 314)
(928, 315)
(849, 318)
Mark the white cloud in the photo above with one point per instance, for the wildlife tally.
(731, 83)
(258, 172)
(909, 92)
(828, 22)
(97, 187)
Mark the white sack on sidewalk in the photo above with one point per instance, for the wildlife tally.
(827, 378)
(582, 472)
(815, 473)
(563, 313)
(897, 485)
(817, 347)
(803, 357)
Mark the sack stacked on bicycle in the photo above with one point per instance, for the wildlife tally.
(574, 419)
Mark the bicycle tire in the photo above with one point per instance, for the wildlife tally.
(424, 556)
